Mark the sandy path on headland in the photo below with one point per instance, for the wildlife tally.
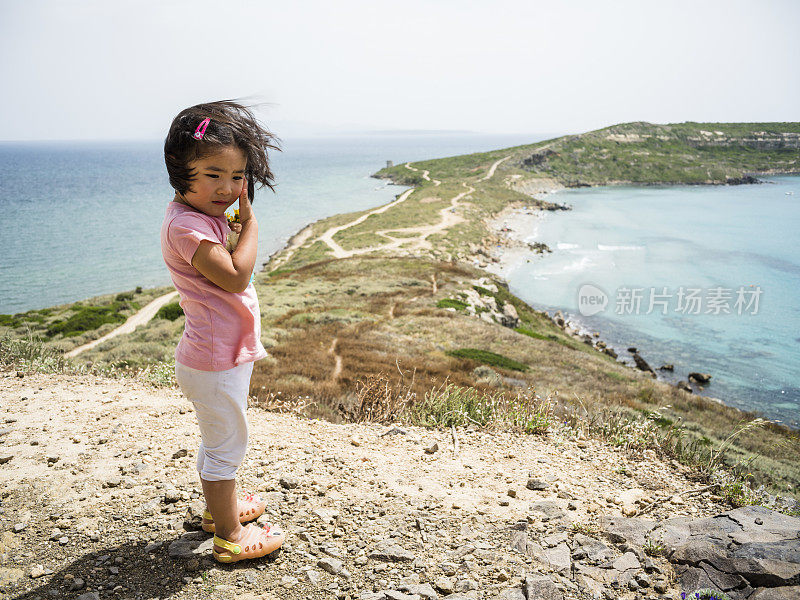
(448, 218)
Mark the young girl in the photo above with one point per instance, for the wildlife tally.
(214, 154)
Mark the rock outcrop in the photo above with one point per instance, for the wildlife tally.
(750, 552)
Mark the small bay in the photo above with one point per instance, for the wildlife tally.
(659, 239)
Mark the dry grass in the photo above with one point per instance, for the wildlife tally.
(391, 342)
(398, 351)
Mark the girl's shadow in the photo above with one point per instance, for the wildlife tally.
(146, 570)
(140, 574)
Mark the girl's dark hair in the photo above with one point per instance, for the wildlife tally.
(232, 124)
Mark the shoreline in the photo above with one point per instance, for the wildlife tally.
(519, 222)
(292, 244)
(510, 231)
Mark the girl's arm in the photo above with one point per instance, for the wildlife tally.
(231, 272)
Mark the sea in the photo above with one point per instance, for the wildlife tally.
(705, 278)
(81, 219)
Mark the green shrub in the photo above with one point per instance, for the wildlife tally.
(539, 336)
(585, 528)
(88, 318)
(488, 358)
(708, 594)
(9, 320)
(123, 296)
(482, 290)
(170, 311)
(277, 272)
(653, 548)
(451, 303)
(32, 316)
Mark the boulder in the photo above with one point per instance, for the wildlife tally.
(549, 509)
(781, 593)
(610, 352)
(594, 550)
(540, 587)
(391, 552)
(629, 531)
(509, 318)
(557, 558)
(738, 551)
(699, 378)
(642, 365)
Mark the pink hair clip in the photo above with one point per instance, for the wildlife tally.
(201, 129)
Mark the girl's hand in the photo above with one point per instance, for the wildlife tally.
(245, 208)
(236, 227)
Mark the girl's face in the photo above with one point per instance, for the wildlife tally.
(218, 181)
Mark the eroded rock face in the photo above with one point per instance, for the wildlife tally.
(737, 551)
(484, 305)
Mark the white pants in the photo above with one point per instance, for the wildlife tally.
(220, 403)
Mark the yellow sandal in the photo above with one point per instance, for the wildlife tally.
(255, 543)
(255, 510)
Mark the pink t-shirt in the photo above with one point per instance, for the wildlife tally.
(223, 329)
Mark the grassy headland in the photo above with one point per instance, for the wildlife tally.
(383, 309)
(639, 153)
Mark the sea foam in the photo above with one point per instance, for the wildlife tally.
(613, 248)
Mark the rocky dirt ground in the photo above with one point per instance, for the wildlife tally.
(100, 499)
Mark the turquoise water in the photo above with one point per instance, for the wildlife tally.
(698, 237)
(83, 219)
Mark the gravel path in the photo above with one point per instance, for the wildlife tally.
(99, 487)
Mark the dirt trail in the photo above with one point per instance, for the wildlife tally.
(98, 475)
(140, 318)
(340, 252)
(417, 241)
(333, 351)
(448, 218)
(490, 174)
(424, 174)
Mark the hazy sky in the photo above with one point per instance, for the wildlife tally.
(118, 69)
